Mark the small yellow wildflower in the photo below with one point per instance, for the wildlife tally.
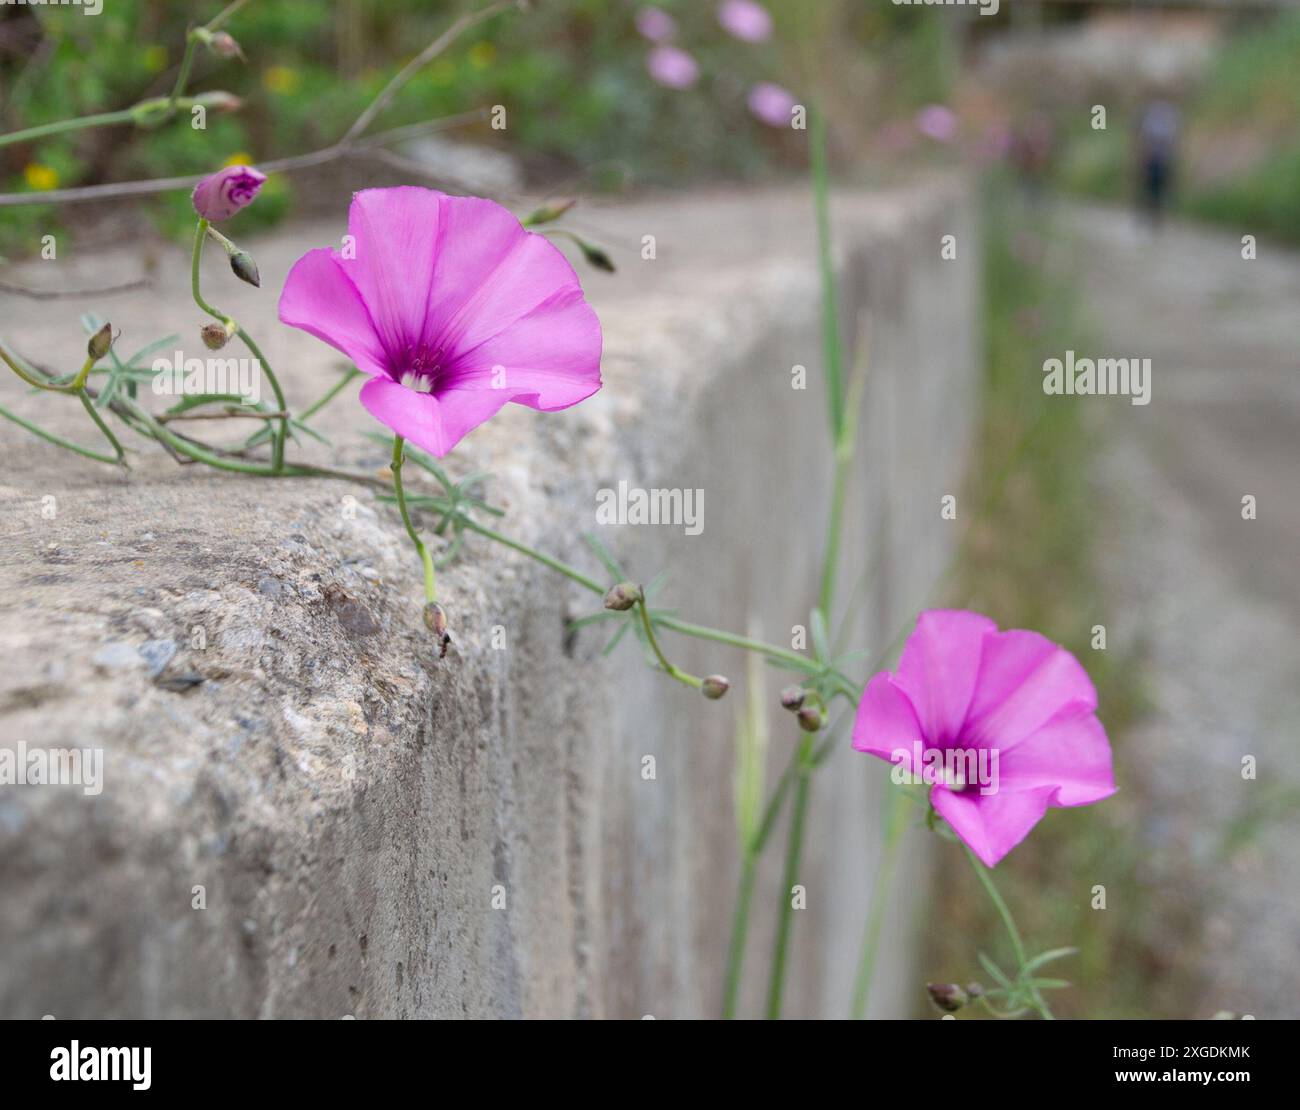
(40, 177)
(482, 55)
(282, 79)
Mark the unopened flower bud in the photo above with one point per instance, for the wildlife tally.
(714, 687)
(214, 336)
(241, 262)
(975, 990)
(220, 195)
(548, 213)
(100, 343)
(596, 256)
(792, 698)
(623, 596)
(810, 718)
(949, 997)
(224, 46)
(435, 620)
(219, 101)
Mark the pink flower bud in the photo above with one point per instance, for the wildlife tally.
(221, 195)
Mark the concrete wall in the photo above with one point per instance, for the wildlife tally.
(348, 801)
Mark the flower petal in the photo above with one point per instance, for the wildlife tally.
(548, 359)
(434, 423)
(396, 234)
(1024, 681)
(886, 722)
(490, 273)
(319, 298)
(938, 669)
(993, 824)
(1069, 754)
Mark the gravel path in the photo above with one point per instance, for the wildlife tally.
(1209, 600)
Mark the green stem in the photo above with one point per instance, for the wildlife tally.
(546, 560)
(670, 670)
(830, 557)
(896, 823)
(59, 127)
(58, 441)
(282, 431)
(1017, 945)
(103, 427)
(739, 931)
(334, 390)
(830, 312)
(793, 853)
(430, 586)
(31, 378)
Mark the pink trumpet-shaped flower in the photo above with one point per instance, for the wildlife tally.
(1015, 700)
(452, 308)
(655, 24)
(672, 68)
(220, 195)
(772, 104)
(937, 122)
(745, 19)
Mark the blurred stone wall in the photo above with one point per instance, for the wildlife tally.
(346, 802)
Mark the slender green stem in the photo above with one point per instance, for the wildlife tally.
(282, 430)
(744, 898)
(546, 560)
(430, 586)
(183, 74)
(745, 643)
(832, 351)
(103, 427)
(59, 127)
(739, 931)
(831, 554)
(58, 441)
(196, 256)
(31, 378)
(793, 853)
(896, 822)
(333, 391)
(685, 628)
(1017, 945)
(277, 443)
(669, 669)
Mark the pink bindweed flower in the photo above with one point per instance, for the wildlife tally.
(222, 194)
(672, 68)
(745, 19)
(452, 308)
(771, 104)
(655, 24)
(937, 122)
(1015, 700)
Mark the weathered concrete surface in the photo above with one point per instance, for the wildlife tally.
(347, 801)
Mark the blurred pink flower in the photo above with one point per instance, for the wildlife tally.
(745, 19)
(655, 24)
(452, 308)
(772, 104)
(672, 68)
(963, 686)
(220, 195)
(937, 122)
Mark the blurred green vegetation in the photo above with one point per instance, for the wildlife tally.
(572, 74)
(1028, 564)
(1240, 162)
